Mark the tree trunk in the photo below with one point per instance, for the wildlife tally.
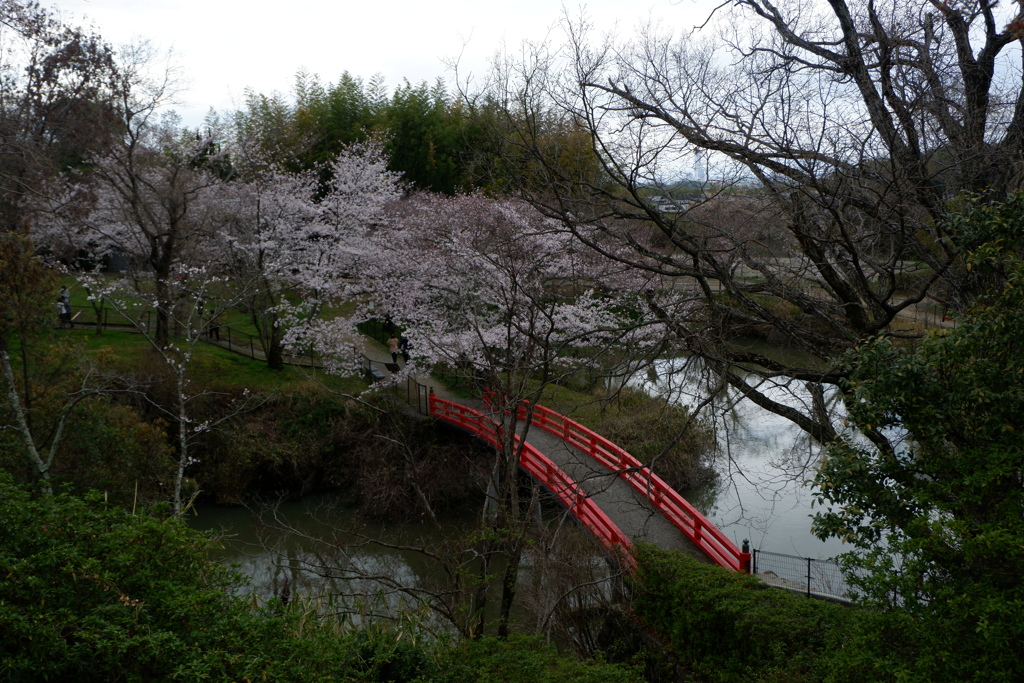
(183, 456)
(22, 425)
(275, 353)
(478, 609)
(510, 580)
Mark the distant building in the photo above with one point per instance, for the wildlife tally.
(700, 166)
(678, 204)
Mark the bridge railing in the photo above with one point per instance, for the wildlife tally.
(546, 473)
(694, 525)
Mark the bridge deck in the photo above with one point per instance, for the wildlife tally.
(632, 513)
(626, 508)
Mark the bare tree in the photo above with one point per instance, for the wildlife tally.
(56, 103)
(845, 130)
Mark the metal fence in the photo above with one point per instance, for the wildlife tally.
(814, 578)
(103, 317)
(418, 395)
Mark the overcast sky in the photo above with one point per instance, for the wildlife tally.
(225, 46)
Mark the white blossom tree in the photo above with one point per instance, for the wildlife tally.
(501, 295)
(487, 286)
(290, 232)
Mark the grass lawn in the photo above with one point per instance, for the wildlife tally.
(211, 366)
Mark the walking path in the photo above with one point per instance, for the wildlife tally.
(631, 512)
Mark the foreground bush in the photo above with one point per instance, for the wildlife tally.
(724, 626)
(523, 659)
(90, 592)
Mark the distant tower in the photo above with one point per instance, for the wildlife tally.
(700, 168)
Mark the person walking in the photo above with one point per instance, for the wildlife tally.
(393, 348)
(213, 326)
(64, 308)
(64, 314)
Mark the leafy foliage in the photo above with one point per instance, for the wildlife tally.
(93, 593)
(723, 625)
(426, 136)
(106, 446)
(526, 659)
(936, 521)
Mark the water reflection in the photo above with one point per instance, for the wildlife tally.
(360, 570)
(319, 546)
(763, 462)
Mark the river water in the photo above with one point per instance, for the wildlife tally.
(764, 462)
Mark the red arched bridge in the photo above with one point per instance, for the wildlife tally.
(613, 495)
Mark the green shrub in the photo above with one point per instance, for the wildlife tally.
(92, 592)
(525, 659)
(725, 626)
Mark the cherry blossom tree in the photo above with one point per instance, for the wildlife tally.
(499, 294)
(148, 198)
(158, 201)
(489, 288)
(292, 232)
(158, 205)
